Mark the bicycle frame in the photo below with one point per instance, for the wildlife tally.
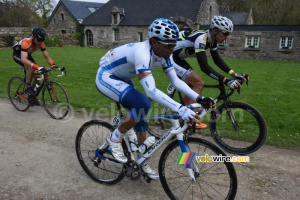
(176, 129)
(46, 81)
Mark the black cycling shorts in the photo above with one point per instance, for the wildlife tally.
(17, 58)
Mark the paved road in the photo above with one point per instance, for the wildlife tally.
(38, 161)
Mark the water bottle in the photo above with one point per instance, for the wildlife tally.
(36, 87)
(132, 140)
(147, 144)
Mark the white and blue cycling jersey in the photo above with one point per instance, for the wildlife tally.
(131, 59)
(118, 66)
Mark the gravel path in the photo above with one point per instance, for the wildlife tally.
(38, 161)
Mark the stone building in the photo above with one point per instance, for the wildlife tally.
(68, 14)
(262, 42)
(119, 22)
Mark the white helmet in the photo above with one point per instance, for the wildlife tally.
(163, 29)
(222, 23)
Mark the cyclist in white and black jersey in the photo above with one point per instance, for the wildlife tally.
(196, 42)
(120, 65)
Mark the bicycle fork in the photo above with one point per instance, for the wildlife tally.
(191, 168)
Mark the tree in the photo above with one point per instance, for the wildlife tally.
(19, 13)
(266, 12)
(43, 7)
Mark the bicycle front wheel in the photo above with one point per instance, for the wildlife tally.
(214, 180)
(55, 99)
(90, 137)
(16, 93)
(239, 128)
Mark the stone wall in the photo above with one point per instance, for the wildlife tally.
(209, 9)
(268, 46)
(25, 32)
(103, 36)
(17, 32)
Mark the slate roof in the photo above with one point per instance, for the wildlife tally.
(77, 9)
(143, 12)
(237, 18)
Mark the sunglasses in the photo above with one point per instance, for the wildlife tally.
(40, 40)
(226, 33)
(168, 45)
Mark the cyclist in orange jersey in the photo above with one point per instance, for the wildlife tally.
(22, 55)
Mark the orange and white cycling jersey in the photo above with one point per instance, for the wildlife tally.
(27, 45)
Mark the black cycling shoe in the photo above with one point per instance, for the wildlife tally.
(37, 102)
(29, 91)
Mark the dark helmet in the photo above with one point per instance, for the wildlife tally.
(39, 33)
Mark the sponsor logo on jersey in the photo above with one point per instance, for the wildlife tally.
(201, 46)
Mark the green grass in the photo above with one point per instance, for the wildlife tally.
(274, 87)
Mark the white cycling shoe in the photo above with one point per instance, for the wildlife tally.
(150, 172)
(117, 150)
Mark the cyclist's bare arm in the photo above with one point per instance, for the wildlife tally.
(24, 58)
(48, 59)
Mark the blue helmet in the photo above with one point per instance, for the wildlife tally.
(163, 29)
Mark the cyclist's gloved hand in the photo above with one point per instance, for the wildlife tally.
(41, 69)
(185, 113)
(206, 102)
(242, 77)
(55, 67)
(233, 84)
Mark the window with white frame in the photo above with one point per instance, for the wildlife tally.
(140, 36)
(223, 44)
(252, 41)
(286, 43)
(116, 35)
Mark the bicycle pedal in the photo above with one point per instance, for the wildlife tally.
(148, 180)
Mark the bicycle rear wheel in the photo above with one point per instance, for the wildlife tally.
(55, 99)
(90, 137)
(16, 93)
(214, 180)
(238, 128)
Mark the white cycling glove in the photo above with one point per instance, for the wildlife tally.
(232, 83)
(185, 113)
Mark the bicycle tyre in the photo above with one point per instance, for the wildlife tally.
(250, 134)
(20, 101)
(96, 131)
(55, 100)
(221, 175)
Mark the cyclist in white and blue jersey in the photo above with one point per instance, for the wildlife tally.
(118, 66)
(195, 43)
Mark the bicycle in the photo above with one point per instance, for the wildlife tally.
(54, 97)
(180, 181)
(236, 127)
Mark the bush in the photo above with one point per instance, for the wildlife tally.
(53, 41)
(79, 34)
(8, 40)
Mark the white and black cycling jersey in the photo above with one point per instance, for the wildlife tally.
(196, 42)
